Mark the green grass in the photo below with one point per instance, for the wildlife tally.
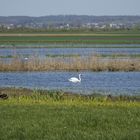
(70, 38)
(62, 55)
(40, 116)
(120, 55)
(8, 56)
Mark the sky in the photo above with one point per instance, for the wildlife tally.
(69, 7)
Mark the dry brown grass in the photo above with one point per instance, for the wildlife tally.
(92, 63)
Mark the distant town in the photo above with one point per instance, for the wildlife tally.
(70, 22)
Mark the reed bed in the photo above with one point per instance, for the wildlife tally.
(91, 63)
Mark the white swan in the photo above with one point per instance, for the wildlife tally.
(75, 80)
(26, 58)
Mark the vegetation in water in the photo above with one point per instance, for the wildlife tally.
(92, 63)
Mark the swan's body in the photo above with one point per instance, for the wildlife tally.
(75, 80)
(26, 58)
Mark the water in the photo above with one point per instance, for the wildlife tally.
(116, 83)
(70, 45)
(66, 51)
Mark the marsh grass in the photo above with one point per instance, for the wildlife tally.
(92, 63)
(55, 115)
(8, 56)
(62, 55)
(119, 55)
(59, 95)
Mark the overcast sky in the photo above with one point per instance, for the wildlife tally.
(69, 7)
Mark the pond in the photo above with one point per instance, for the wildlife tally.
(116, 83)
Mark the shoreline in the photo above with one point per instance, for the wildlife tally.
(14, 92)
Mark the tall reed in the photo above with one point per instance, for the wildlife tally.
(92, 63)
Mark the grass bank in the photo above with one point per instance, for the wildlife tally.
(91, 63)
(36, 115)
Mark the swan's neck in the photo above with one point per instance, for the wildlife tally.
(79, 77)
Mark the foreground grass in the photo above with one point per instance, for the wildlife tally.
(63, 116)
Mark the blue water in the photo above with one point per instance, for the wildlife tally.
(71, 45)
(66, 51)
(116, 83)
